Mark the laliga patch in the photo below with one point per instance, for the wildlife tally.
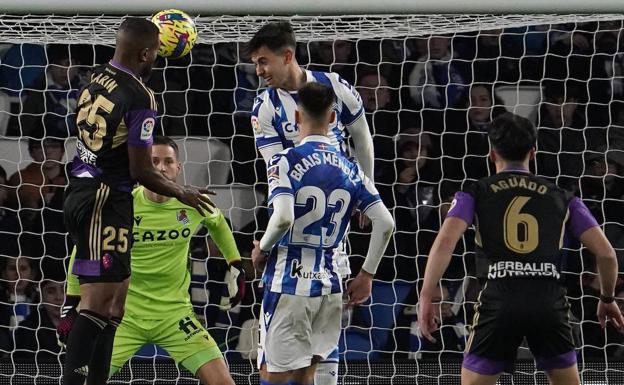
(147, 128)
(255, 124)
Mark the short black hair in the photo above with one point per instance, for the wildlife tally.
(315, 99)
(139, 28)
(275, 36)
(512, 136)
(167, 141)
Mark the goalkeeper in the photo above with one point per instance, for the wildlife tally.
(158, 307)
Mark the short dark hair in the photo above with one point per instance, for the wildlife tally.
(275, 36)
(315, 99)
(139, 28)
(166, 141)
(512, 136)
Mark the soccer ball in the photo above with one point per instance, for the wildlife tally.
(177, 33)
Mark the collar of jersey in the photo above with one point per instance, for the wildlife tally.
(122, 68)
(148, 201)
(516, 169)
(315, 138)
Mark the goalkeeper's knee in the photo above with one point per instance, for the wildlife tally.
(326, 373)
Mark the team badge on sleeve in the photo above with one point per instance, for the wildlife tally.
(255, 124)
(147, 128)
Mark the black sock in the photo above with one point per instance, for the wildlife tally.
(101, 359)
(80, 345)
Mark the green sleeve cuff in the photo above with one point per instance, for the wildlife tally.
(222, 236)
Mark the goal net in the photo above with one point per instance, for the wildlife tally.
(430, 86)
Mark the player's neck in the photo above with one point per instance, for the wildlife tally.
(126, 64)
(153, 197)
(296, 79)
(511, 166)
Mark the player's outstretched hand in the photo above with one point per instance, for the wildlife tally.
(427, 318)
(197, 199)
(258, 258)
(235, 290)
(69, 313)
(611, 312)
(359, 290)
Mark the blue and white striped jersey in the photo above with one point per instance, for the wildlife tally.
(273, 114)
(326, 187)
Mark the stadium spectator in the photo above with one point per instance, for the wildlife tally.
(414, 197)
(565, 130)
(465, 144)
(35, 337)
(438, 80)
(37, 183)
(583, 304)
(17, 290)
(602, 190)
(9, 221)
(495, 57)
(450, 337)
(49, 107)
(333, 56)
(382, 117)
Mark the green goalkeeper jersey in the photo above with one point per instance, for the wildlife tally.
(160, 279)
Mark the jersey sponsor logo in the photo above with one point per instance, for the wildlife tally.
(297, 271)
(508, 269)
(86, 155)
(160, 235)
(289, 127)
(255, 124)
(147, 127)
(182, 217)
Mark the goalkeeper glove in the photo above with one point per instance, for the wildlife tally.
(69, 312)
(235, 286)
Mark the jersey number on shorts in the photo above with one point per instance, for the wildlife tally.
(91, 124)
(307, 229)
(520, 230)
(110, 234)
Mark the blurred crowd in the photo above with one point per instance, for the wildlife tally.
(429, 102)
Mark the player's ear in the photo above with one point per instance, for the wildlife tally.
(144, 55)
(493, 155)
(297, 117)
(532, 153)
(332, 116)
(289, 55)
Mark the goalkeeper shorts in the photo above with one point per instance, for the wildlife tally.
(509, 311)
(181, 335)
(294, 329)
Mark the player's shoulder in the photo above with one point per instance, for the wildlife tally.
(264, 101)
(137, 192)
(285, 154)
(134, 92)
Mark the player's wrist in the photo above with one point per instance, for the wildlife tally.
(607, 299)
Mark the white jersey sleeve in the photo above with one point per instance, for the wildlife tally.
(266, 136)
(352, 107)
